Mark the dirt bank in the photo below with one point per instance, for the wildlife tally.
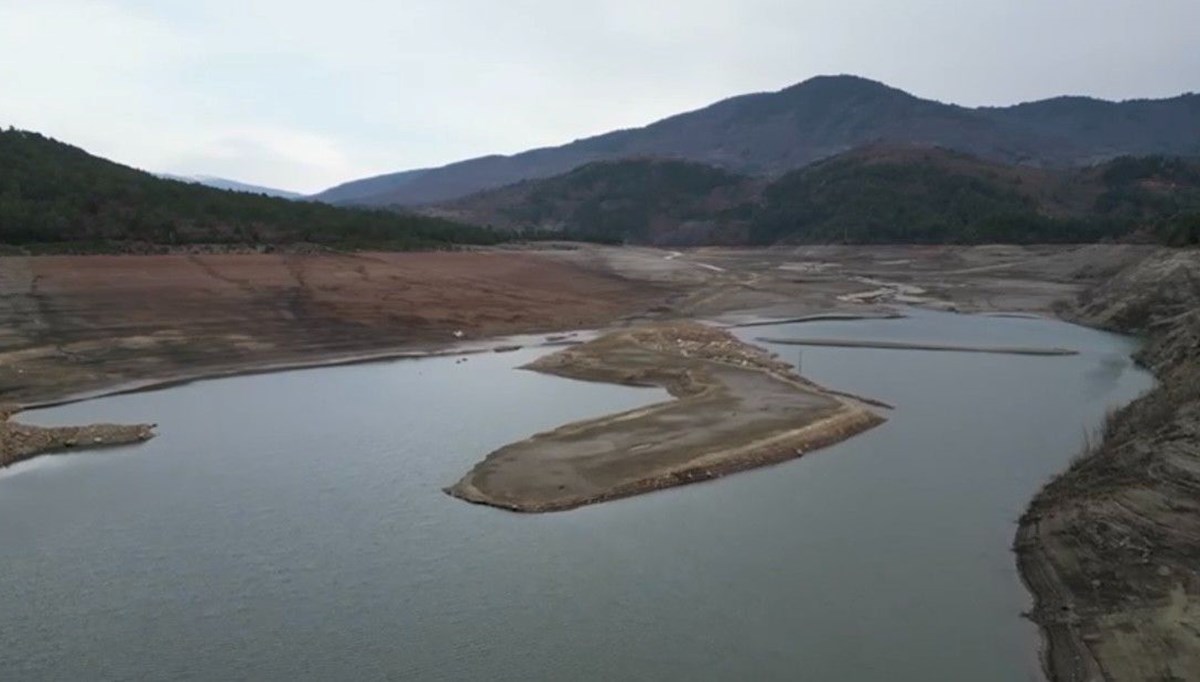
(73, 324)
(19, 442)
(735, 408)
(1111, 549)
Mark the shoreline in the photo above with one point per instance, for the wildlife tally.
(497, 344)
(1107, 548)
(488, 344)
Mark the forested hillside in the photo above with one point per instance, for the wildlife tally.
(55, 196)
(642, 200)
(878, 194)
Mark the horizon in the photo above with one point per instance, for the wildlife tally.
(303, 98)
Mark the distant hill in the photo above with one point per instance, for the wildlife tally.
(773, 133)
(881, 193)
(55, 196)
(367, 191)
(232, 185)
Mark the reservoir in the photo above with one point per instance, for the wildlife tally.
(292, 526)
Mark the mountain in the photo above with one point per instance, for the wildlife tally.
(233, 185)
(1101, 130)
(57, 197)
(879, 193)
(772, 133)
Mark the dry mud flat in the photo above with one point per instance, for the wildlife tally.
(20, 442)
(736, 408)
(71, 324)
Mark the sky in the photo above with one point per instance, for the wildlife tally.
(303, 95)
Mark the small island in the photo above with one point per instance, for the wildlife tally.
(736, 407)
(19, 442)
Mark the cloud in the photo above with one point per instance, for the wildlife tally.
(289, 158)
(81, 70)
(304, 94)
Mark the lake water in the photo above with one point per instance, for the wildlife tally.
(291, 526)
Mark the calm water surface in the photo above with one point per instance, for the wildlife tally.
(291, 526)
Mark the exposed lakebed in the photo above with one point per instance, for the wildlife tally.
(292, 525)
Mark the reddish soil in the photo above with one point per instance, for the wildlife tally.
(82, 322)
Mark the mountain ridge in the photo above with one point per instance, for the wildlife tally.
(770, 133)
(57, 197)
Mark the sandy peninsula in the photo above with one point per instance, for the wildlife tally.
(735, 408)
(19, 442)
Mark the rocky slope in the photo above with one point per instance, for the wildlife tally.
(771, 133)
(1111, 549)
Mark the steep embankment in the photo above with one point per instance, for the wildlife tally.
(1111, 549)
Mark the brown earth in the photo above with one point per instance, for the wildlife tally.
(81, 323)
(735, 408)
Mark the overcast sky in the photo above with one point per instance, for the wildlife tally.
(302, 95)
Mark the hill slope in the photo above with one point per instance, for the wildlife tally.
(771, 133)
(53, 193)
(875, 194)
(640, 200)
